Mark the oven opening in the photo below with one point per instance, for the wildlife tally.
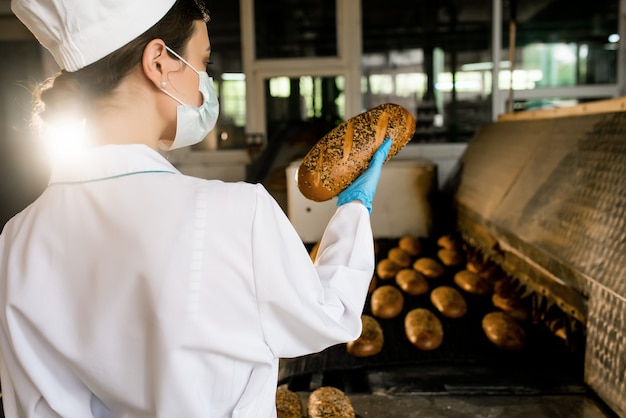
(547, 364)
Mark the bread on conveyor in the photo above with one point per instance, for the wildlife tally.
(371, 340)
(314, 250)
(448, 241)
(399, 256)
(411, 244)
(412, 282)
(512, 306)
(288, 403)
(373, 284)
(504, 331)
(472, 283)
(423, 329)
(450, 256)
(327, 402)
(344, 153)
(449, 301)
(386, 269)
(386, 302)
(429, 267)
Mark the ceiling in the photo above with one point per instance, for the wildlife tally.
(457, 25)
(450, 24)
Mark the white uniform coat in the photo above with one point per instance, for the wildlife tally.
(128, 289)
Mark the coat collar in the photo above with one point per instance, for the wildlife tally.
(109, 161)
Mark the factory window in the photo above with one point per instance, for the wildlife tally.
(306, 97)
(280, 87)
(306, 28)
(233, 99)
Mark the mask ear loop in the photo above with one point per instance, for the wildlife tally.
(186, 63)
(172, 96)
(182, 59)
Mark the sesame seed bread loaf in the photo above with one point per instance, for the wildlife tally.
(288, 403)
(329, 402)
(343, 154)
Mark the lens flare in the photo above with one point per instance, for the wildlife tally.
(66, 139)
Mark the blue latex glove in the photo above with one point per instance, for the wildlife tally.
(364, 187)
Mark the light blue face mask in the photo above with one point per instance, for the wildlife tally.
(194, 123)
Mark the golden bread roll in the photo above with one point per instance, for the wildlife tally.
(472, 283)
(450, 256)
(423, 329)
(373, 284)
(558, 328)
(429, 267)
(412, 245)
(288, 403)
(412, 282)
(449, 301)
(483, 267)
(503, 331)
(475, 264)
(386, 302)
(328, 401)
(512, 306)
(386, 269)
(313, 252)
(371, 340)
(488, 271)
(344, 153)
(448, 241)
(399, 256)
(472, 266)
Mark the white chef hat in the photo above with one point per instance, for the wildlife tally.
(80, 32)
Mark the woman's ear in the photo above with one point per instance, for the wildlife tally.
(155, 62)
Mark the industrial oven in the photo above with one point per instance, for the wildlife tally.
(540, 199)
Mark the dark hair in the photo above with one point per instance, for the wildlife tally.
(70, 93)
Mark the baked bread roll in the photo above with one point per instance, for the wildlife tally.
(399, 256)
(448, 241)
(314, 250)
(288, 403)
(386, 302)
(472, 283)
(412, 282)
(512, 306)
(429, 267)
(483, 267)
(412, 245)
(450, 256)
(423, 329)
(475, 264)
(373, 284)
(503, 331)
(386, 269)
(371, 340)
(449, 301)
(344, 153)
(327, 402)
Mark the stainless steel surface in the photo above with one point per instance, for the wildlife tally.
(385, 405)
(544, 199)
(516, 391)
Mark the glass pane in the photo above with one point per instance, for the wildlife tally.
(449, 45)
(414, 55)
(305, 28)
(305, 99)
(563, 45)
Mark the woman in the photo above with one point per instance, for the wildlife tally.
(131, 290)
